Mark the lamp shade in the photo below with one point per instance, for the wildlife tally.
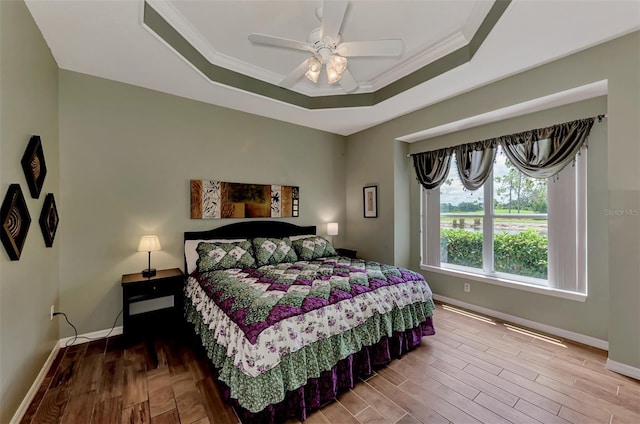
(315, 66)
(149, 244)
(332, 229)
(332, 75)
(338, 63)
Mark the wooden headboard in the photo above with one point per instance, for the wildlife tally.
(250, 229)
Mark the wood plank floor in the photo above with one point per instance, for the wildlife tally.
(471, 371)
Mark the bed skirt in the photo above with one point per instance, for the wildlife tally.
(318, 391)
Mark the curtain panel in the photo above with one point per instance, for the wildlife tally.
(475, 161)
(540, 153)
(544, 152)
(432, 167)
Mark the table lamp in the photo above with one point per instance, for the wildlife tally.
(332, 230)
(149, 244)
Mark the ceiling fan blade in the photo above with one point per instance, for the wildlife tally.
(332, 16)
(370, 48)
(270, 40)
(347, 82)
(295, 75)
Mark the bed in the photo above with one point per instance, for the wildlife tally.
(288, 324)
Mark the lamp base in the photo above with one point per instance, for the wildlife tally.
(149, 272)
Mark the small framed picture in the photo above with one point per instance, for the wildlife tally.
(370, 201)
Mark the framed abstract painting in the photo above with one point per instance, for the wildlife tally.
(219, 199)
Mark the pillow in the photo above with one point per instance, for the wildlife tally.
(191, 253)
(313, 247)
(216, 256)
(271, 251)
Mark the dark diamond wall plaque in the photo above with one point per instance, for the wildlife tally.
(34, 166)
(15, 221)
(49, 219)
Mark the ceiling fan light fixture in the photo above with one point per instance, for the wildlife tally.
(312, 75)
(327, 48)
(338, 63)
(315, 66)
(333, 75)
(335, 67)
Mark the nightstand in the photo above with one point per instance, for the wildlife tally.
(148, 298)
(347, 252)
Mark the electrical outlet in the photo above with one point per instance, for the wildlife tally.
(53, 308)
(467, 287)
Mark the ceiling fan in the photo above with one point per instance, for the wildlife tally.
(328, 50)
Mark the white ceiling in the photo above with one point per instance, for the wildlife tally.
(220, 28)
(107, 39)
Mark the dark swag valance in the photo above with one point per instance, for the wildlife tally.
(540, 153)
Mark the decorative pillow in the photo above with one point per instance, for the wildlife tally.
(216, 256)
(191, 251)
(271, 251)
(313, 247)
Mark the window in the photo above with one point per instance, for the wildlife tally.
(514, 229)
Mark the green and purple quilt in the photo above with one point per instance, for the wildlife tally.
(270, 329)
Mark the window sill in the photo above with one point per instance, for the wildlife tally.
(580, 297)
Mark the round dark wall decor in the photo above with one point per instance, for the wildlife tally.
(34, 166)
(49, 219)
(15, 221)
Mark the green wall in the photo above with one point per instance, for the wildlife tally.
(28, 105)
(370, 162)
(402, 196)
(615, 299)
(127, 155)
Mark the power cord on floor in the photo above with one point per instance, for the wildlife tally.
(75, 330)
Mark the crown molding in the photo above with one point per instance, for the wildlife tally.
(183, 26)
(429, 54)
(180, 23)
(318, 97)
(425, 57)
(478, 14)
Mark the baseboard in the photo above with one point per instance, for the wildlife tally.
(624, 369)
(66, 342)
(614, 366)
(33, 390)
(87, 337)
(560, 332)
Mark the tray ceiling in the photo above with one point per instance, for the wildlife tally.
(111, 39)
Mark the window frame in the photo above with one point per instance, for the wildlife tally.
(430, 223)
